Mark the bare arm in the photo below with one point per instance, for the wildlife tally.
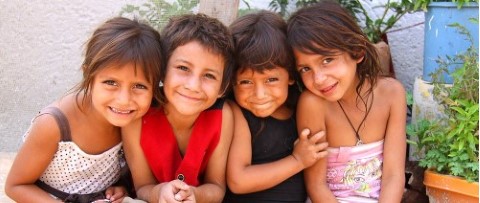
(146, 185)
(311, 115)
(393, 173)
(31, 161)
(213, 189)
(243, 177)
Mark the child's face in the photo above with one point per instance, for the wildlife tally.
(330, 77)
(193, 79)
(263, 94)
(120, 95)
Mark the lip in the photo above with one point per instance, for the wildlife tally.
(329, 89)
(260, 105)
(120, 111)
(196, 99)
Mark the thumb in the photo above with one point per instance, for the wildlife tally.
(304, 134)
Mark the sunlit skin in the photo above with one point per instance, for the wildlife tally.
(330, 77)
(191, 85)
(193, 79)
(121, 94)
(263, 94)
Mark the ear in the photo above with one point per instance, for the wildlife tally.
(222, 94)
(361, 56)
(291, 82)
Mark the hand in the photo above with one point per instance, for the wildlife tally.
(115, 193)
(176, 191)
(308, 149)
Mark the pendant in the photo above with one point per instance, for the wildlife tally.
(359, 142)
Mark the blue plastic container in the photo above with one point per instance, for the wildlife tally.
(442, 40)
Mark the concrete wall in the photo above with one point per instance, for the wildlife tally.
(41, 52)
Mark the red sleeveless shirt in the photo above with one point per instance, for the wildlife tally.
(161, 149)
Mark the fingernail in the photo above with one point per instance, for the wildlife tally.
(177, 197)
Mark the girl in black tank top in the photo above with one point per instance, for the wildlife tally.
(264, 164)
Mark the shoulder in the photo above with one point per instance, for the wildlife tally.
(390, 87)
(309, 100)
(44, 130)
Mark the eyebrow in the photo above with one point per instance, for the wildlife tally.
(190, 64)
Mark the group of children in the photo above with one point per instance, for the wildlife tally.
(208, 113)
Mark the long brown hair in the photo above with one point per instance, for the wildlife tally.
(120, 41)
(326, 27)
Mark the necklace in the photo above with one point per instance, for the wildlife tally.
(359, 140)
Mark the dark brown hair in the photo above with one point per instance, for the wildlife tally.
(208, 31)
(325, 28)
(261, 44)
(120, 41)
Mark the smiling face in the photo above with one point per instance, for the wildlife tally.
(329, 77)
(120, 94)
(264, 94)
(193, 79)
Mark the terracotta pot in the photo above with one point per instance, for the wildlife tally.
(446, 188)
(385, 59)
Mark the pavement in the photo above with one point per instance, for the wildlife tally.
(6, 160)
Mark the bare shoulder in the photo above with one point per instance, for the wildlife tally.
(390, 88)
(309, 100)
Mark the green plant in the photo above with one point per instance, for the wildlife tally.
(375, 27)
(157, 12)
(422, 4)
(450, 143)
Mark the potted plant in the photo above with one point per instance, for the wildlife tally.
(440, 39)
(447, 145)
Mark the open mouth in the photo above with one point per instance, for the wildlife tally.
(120, 111)
(329, 88)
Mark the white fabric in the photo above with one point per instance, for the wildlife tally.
(74, 171)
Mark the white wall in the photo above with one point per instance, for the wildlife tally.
(41, 46)
(41, 52)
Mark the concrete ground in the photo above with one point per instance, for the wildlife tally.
(6, 160)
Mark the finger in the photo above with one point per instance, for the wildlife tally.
(322, 146)
(322, 154)
(109, 192)
(317, 137)
(304, 134)
(179, 185)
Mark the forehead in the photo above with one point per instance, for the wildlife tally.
(198, 55)
(250, 72)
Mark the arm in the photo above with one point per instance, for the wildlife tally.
(31, 161)
(393, 173)
(242, 176)
(213, 188)
(311, 115)
(145, 183)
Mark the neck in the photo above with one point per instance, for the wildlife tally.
(354, 98)
(178, 121)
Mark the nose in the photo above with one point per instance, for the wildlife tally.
(124, 96)
(192, 83)
(319, 77)
(260, 91)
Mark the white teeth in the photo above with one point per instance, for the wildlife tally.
(120, 111)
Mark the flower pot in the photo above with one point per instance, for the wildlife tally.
(446, 188)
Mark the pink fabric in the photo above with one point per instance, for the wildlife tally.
(356, 171)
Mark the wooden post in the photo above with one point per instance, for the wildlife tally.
(224, 10)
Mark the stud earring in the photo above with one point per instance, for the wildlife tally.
(160, 84)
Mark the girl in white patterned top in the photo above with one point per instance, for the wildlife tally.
(72, 151)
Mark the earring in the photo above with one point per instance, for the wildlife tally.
(160, 84)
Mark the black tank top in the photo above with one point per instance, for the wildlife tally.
(272, 140)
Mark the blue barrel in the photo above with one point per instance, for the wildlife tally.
(442, 40)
